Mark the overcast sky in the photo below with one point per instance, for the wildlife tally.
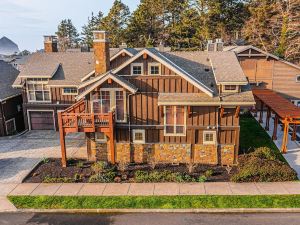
(26, 21)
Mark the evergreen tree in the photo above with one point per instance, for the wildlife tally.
(68, 36)
(115, 22)
(87, 30)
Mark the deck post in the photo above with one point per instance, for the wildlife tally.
(261, 112)
(112, 138)
(294, 136)
(62, 141)
(274, 137)
(267, 127)
(285, 137)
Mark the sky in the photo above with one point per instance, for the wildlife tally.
(26, 21)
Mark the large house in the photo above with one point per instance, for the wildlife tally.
(11, 113)
(139, 105)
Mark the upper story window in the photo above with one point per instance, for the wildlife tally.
(37, 91)
(70, 91)
(154, 69)
(175, 120)
(137, 69)
(230, 88)
(298, 78)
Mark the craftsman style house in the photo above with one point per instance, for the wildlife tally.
(11, 114)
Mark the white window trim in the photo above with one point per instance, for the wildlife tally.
(136, 64)
(297, 77)
(214, 137)
(184, 126)
(7, 121)
(64, 93)
(138, 141)
(113, 102)
(104, 140)
(232, 91)
(154, 64)
(37, 82)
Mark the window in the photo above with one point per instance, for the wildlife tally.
(100, 137)
(154, 69)
(175, 120)
(137, 69)
(70, 91)
(230, 88)
(209, 137)
(138, 136)
(10, 126)
(298, 78)
(37, 91)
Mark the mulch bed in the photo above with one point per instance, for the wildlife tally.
(51, 168)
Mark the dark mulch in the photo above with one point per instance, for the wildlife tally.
(51, 168)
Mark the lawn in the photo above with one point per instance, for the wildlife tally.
(155, 202)
(253, 136)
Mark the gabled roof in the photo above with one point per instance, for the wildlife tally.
(8, 75)
(120, 80)
(129, 51)
(240, 49)
(167, 61)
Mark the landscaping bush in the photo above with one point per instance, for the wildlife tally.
(162, 176)
(105, 177)
(263, 166)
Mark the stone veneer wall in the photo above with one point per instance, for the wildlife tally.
(206, 154)
(227, 155)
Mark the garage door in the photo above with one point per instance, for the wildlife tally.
(41, 120)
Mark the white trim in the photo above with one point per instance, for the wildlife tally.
(172, 66)
(120, 52)
(43, 83)
(40, 110)
(7, 121)
(214, 133)
(46, 77)
(13, 96)
(136, 64)
(134, 131)
(62, 85)
(154, 64)
(175, 123)
(236, 90)
(88, 76)
(63, 91)
(206, 103)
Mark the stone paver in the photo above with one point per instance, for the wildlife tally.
(5, 189)
(244, 189)
(68, 189)
(166, 189)
(141, 189)
(92, 189)
(219, 188)
(6, 205)
(46, 189)
(192, 189)
(116, 189)
(292, 187)
(271, 189)
(24, 189)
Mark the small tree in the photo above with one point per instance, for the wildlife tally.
(68, 36)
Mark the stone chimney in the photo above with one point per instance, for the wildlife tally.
(101, 52)
(50, 43)
(210, 46)
(219, 45)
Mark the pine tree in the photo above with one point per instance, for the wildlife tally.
(68, 36)
(115, 22)
(87, 30)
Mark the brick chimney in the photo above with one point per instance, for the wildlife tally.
(101, 52)
(50, 44)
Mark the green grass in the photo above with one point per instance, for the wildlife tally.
(253, 136)
(155, 202)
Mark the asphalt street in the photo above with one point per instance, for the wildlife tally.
(150, 219)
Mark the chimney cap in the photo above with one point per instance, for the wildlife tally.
(100, 36)
(50, 38)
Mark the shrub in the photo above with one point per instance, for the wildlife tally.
(48, 179)
(256, 169)
(80, 164)
(122, 166)
(106, 177)
(99, 167)
(162, 176)
(264, 153)
(202, 179)
(208, 173)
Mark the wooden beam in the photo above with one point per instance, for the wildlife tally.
(267, 127)
(222, 112)
(62, 141)
(274, 137)
(237, 112)
(123, 54)
(261, 112)
(109, 81)
(294, 136)
(285, 136)
(112, 138)
(145, 56)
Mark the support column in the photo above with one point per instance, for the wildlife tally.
(112, 139)
(62, 141)
(267, 127)
(294, 136)
(285, 137)
(261, 112)
(274, 137)
(91, 147)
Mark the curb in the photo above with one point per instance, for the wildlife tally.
(230, 210)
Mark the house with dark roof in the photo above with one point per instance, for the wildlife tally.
(11, 113)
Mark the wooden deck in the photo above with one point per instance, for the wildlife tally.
(76, 119)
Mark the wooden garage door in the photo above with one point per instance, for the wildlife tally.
(41, 120)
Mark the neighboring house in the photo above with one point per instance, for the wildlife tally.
(147, 105)
(265, 70)
(11, 114)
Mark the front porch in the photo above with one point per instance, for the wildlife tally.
(77, 119)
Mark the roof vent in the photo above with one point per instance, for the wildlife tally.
(206, 69)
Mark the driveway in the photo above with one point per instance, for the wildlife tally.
(19, 155)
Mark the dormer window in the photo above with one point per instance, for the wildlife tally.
(137, 69)
(154, 69)
(298, 78)
(230, 88)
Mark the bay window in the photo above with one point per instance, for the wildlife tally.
(38, 92)
(175, 120)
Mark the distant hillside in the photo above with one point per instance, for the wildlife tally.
(8, 47)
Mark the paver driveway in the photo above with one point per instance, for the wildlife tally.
(19, 155)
